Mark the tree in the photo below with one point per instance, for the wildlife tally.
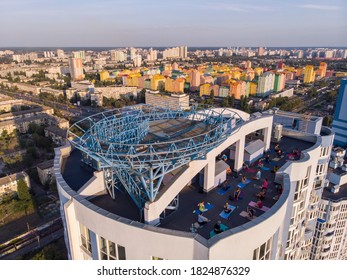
(327, 120)
(212, 95)
(332, 96)
(24, 202)
(232, 100)
(22, 190)
(225, 102)
(141, 96)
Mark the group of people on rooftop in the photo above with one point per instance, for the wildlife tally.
(236, 194)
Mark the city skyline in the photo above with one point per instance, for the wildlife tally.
(103, 23)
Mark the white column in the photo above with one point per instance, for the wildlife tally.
(239, 154)
(209, 175)
(151, 215)
(267, 137)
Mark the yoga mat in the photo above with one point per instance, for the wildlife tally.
(208, 206)
(265, 168)
(245, 215)
(223, 228)
(251, 170)
(226, 215)
(222, 191)
(254, 204)
(276, 159)
(242, 185)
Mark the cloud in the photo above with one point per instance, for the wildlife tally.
(320, 7)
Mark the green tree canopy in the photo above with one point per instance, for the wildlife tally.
(23, 191)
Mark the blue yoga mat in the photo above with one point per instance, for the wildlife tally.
(223, 228)
(223, 191)
(226, 215)
(208, 206)
(242, 185)
(265, 168)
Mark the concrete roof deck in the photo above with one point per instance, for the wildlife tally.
(74, 172)
(183, 218)
(190, 196)
(341, 195)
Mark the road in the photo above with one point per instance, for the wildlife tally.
(77, 113)
(31, 240)
(37, 244)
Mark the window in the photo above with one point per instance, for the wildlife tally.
(264, 251)
(324, 151)
(85, 238)
(108, 250)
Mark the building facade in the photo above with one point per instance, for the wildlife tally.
(339, 124)
(284, 231)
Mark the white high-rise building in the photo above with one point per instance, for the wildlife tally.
(60, 53)
(102, 222)
(137, 60)
(133, 53)
(183, 52)
(152, 55)
(171, 53)
(266, 84)
(118, 56)
(79, 54)
(76, 69)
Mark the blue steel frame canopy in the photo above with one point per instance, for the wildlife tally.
(119, 141)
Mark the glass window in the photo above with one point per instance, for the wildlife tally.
(121, 253)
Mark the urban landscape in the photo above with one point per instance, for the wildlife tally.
(173, 153)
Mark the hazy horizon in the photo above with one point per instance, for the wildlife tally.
(103, 23)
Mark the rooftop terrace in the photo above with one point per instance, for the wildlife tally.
(183, 218)
(74, 172)
(340, 195)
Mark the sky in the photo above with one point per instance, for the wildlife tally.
(103, 23)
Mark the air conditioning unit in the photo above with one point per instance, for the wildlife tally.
(277, 135)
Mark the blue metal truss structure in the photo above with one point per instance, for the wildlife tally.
(115, 139)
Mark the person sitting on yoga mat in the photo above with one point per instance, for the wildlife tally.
(275, 169)
(260, 204)
(201, 206)
(265, 184)
(261, 195)
(257, 176)
(267, 159)
(250, 211)
(202, 219)
(217, 229)
(243, 180)
(226, 208)
(279, 152)
(237, 193)
(277, 147)
(260, 163)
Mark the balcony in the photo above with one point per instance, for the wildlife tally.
(308, 234)
(324, 254)
(328, 238)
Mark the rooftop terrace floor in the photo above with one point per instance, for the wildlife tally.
(183, 218)
(74, 173)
